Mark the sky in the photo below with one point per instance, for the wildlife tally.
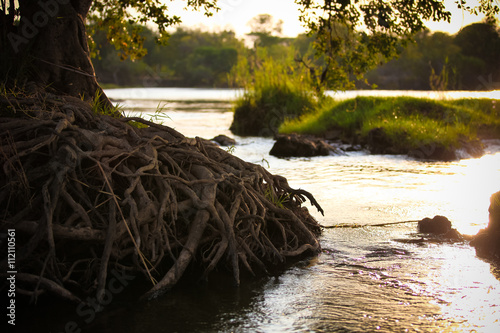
(235, 15)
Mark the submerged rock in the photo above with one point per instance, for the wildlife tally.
(224, 140)
(439, 226)
(487, 241)
(378, 142)
(474, 148)
(434, 152)
(294, 145)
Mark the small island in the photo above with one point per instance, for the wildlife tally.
(425, 129)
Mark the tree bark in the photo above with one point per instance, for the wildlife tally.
(49, 47)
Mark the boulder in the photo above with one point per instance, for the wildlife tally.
(293, 145)
(438, 225)
(487, 241)
(494, 210)
(379, 143)
(473, 147)
(224, 140)
(434, 152)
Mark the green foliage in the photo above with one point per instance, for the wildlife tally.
(265, 31)
(480, 40)
(99, 106)
(439, 81)
(407, 121)
(189, 58)
(355, 36)
(385, 23)
(350, 37)
(121, 20)
(159, 116)
(208, 65)
(480, 55)
(194, 58)
(469, 60)
(278, 201)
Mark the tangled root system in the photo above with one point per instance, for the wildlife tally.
(89, 193)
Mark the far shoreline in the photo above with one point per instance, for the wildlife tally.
(231, 94)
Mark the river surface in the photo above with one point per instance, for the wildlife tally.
(366, 279)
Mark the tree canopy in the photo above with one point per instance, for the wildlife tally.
(351, 37)
(355, 36)
(120, 19)
(190, 58)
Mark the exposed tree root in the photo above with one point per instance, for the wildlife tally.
(87, 194)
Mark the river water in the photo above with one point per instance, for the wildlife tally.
(366, 279)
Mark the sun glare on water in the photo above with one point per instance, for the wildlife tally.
(469, 191)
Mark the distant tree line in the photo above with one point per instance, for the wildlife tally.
(468, 60)
(189, 58)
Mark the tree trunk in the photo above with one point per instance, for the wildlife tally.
(49, 46)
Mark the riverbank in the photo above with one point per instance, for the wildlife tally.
(419, 127)
(89, 195)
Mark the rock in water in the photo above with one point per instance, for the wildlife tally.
(224, 140)
(494, 210)
(487, 241)
(438, 225)
(293, 145)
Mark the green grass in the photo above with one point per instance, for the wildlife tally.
(99, 106)
(408, 122)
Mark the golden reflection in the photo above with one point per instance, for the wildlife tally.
(475, 181)
(461, 191)
(469, 291)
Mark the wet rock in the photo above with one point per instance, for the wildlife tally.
(488, 131)
(437, 152)
(494, 210)
(224, 140)
(474, 148)
(434, 152)
(435, 230)
(487, 241)
(353, 148)
(378, 142)
(438, 225)
(454, 235)
(293, 145)
(333, 134)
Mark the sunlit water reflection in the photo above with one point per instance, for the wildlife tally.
(366, 279)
